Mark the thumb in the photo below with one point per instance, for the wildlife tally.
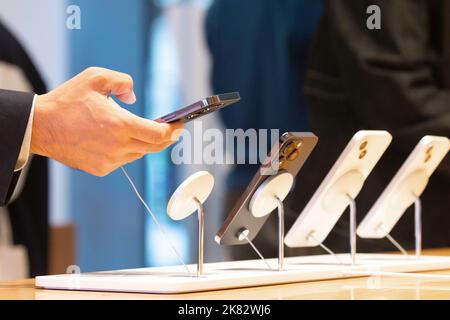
(128, 98)
(115, 83)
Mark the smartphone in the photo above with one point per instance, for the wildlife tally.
(201, 108)
(407, 184)
(330, 200)
(288, 155)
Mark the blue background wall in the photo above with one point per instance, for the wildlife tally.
(109, 218)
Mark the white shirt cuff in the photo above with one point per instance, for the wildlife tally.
(25, 149)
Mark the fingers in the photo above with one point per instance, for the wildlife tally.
(137, 149)
(153, 132)
(137, 146)
(112, 82)
(131, 157)
(120, 84)
(139, 153)
(128, 98)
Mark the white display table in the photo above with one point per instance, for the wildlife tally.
(240, 274)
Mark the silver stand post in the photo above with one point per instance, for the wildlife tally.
(188, 198)
(268, 197)
(352, 207)
(280, 234)
(418, 226)
(201, 236)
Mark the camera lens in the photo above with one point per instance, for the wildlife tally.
(294, 155)
(288, 149)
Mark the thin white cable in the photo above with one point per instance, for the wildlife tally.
(324, 247)
(393, 241)
(257, 251)
(329, 251)
(396, 244)
(155, 220)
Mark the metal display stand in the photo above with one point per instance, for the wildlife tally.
(418, 226)
(417, 231)
(345, 189)
(352, 231)
(268, 197)
(188, 198)
(192, 194)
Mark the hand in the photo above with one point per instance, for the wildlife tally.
(79, 125)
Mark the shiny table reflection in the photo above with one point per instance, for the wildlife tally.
(374, 287)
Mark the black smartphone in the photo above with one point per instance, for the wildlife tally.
(291, 153)
(201, 108)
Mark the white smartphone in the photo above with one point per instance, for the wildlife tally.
(344, 180)
(408, 184)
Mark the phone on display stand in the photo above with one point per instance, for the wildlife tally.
(344, 180)
(289, 155)
(407, 185)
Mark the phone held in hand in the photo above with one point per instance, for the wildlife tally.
(201, 108)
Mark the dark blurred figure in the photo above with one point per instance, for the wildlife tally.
(259, 48)
(28, 213)
(396, 78)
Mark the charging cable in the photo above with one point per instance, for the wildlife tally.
(155, 220)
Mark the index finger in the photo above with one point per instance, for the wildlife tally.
(154, 132)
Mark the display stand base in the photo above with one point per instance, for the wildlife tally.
(239, 274)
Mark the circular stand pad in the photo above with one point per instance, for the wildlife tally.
(348, 185)
(264, 199)
(183, 201)
(409, 189)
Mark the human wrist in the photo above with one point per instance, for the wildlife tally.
(41, 122)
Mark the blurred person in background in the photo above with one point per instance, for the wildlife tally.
(395, 78)
(259, 48)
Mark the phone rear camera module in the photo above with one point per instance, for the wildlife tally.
(429, 153)
(363, 145)
(288, 149)
(362, 154)
(283, 163)
(294, 155)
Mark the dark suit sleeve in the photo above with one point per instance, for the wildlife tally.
(15, 110)
(390, 74)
